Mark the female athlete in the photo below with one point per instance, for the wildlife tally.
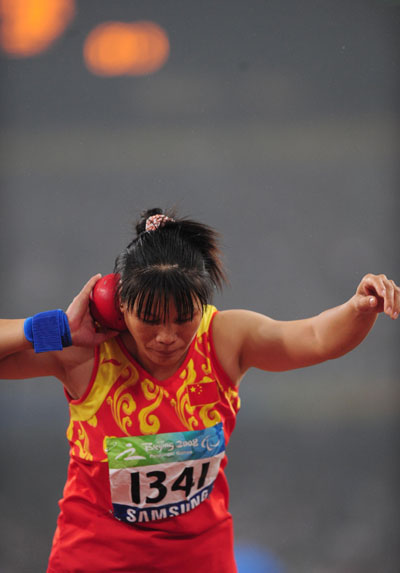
(152, 407)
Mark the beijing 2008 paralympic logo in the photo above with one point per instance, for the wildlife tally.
(209, 443)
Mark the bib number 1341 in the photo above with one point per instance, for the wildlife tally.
(157, 480)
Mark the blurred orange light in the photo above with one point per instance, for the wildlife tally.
(28, 27)
(119, 48)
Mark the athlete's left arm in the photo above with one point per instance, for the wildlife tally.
(261, 342)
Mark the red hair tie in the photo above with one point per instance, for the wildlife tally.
(154, 222)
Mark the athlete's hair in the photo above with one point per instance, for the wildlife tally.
(178, 261)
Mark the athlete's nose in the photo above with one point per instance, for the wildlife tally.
(166, 334)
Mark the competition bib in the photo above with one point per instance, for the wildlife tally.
(163, 475)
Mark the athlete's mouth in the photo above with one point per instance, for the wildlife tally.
(164, 352)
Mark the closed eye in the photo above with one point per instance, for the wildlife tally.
(183, 320)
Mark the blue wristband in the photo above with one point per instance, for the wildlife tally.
(28, 329)
(48, 331)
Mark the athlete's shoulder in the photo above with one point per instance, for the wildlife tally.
(227, 336)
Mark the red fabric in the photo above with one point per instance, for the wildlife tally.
(88, 537)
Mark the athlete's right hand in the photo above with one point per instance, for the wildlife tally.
(81, 323)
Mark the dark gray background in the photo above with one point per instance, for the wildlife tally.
(277, 123)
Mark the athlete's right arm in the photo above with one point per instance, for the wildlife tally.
(19, 360)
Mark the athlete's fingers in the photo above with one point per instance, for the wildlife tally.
(388, 297)
(391, 298)
(378, 283)
(382, 285)
(79, 307)
(396, 301)
(370, 285)
(367, 302)
(87, 289)
(379, 293)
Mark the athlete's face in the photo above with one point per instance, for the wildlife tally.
(162, 344)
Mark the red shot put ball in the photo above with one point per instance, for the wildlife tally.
(103, 306)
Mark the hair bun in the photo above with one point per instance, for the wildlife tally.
(141, 225)
(155, 222)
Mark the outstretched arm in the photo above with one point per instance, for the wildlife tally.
(261, 342)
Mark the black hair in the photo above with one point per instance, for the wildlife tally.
(179, 262)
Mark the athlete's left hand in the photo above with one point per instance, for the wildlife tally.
(377, 293)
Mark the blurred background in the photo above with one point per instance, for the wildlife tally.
(275, 122)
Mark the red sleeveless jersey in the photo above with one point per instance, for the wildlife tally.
(146, 490)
